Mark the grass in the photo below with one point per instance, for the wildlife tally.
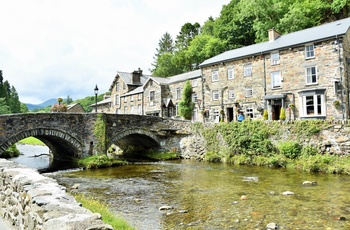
(162, 156)
(31, 141)
(99, 161)
(108, 217)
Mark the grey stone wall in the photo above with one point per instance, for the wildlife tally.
(30, 200)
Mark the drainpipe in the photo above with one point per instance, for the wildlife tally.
(203, 101)
(341, 79)
(222, 100)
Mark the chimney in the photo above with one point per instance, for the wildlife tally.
(273, 34)
(136, 76)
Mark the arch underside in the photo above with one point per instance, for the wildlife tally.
(61, 144)
(136, 141)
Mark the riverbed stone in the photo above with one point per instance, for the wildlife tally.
(165, 207)
(309, 183)
(272, 226)
(288, 193)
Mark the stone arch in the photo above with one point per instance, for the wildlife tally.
(61, 144)
(135, 137)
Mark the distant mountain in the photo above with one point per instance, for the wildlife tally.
(42, 105)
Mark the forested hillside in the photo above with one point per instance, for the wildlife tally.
(241, 23)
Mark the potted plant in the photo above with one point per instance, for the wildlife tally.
(336, 103)
(291, 106)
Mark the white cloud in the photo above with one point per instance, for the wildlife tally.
(56, 48)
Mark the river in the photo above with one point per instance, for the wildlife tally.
(209, 196)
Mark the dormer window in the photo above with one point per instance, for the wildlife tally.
(309, 51)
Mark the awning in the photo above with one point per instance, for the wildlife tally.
(275, 97)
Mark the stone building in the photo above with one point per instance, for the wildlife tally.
(75, 108)
(304, 72)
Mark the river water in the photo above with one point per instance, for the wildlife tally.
(209, 196)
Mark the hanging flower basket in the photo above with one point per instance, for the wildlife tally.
(291, 106)
(336, 103)
(260, 109)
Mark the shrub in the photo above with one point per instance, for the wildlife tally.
(309, 151)
(290, 149)
(265, 115)
(282, 114)
(11, 152)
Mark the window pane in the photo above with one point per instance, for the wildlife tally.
(230, 73)
(215, 75)
(310, 105)
(311, 75)
(319, 105)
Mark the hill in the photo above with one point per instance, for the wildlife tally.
(42, 105)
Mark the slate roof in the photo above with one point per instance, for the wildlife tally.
(314, 34)
(127, 78)
(177, 78)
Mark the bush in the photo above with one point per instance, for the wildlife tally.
(282, 114)
(11, 152)
(265, 115)
(309, 151)
(290, 149)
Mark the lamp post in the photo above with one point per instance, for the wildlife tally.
(96, 92)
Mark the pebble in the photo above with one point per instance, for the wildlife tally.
(272, 226)
(288, 193)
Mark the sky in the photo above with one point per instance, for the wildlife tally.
(60, 48)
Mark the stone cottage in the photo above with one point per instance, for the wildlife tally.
(305, 73)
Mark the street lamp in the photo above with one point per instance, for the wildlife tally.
(96, 92)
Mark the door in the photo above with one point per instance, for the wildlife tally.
(229, 114)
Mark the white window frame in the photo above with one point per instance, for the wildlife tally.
(247, 70)
(139, 96)
(215, 75)
(125, 99)
(194, 97)
(132, 98)
(248, 91)
(139, 109)
(194, 82)
(230, 73)
(231, 94)
(117, 86)
(319, 106)
(116, 99)
(152, 95)
(249, 112)
(178, 93)
(215, 95)
(309, 75)
(132, 109)
(309, 51)
(276, 79)
(275, 58)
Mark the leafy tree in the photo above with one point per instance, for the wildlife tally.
(187, 33)
(166, 66)
(165, 46)
(186, 105)
(59, 100)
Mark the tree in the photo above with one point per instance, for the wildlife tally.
(187, 33)
(186, 105)
(59, 100)
(69, 100)
(166, 66)
(165, 46)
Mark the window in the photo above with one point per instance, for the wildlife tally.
(248, 91)
(132, 98)
(139, 109)
(194, 97)
(249, 112)
(247, 70)
(117, 86)
(125, 109)
(195, 82)
(116, 99)
(275, 58)
(132, 109)
(231, 94)
(215, 75)
(276, 79)
(311, 75)
(178, 93)
(151, 96)
(139, 97)
(125, 99)
(230, 73)
(309, 51)
(313, 103)
(215, 95)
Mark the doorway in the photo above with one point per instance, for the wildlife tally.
(276, 109)
(229, 114)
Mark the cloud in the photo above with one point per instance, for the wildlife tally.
(57, 48)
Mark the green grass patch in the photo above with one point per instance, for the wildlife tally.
(162, 156)
(108, 217)
(31, 141)
(100, 161)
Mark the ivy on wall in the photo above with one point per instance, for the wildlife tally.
(100, 134)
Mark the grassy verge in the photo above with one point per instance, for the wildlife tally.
(31, 141)
(99, 161)
(162, 156)
(108, 217)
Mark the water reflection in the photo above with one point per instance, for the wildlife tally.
(207, 196)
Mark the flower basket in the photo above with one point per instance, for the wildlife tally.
(291, 106)
(336, 103)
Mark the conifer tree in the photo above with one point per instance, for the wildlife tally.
(186, 105)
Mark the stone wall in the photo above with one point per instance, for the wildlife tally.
(334, 139)
(30, 200)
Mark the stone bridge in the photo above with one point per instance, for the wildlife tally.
(82, 134)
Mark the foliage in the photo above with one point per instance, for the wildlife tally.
(88, 101)
(97, 206)
(99, 161)
(309, 150)
(12, 151)
(9, 100)
(162, 156)
(265, 115)
(283, 114)
(290, 149)
(31, 141)
(186, 105)
(166, 66)
(166, 45)
(59, 100)
(60, 108)
(100, 134)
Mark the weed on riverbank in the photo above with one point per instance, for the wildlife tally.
(97, 206)
(100, 161)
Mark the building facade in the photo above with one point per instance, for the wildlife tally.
(303, 74)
